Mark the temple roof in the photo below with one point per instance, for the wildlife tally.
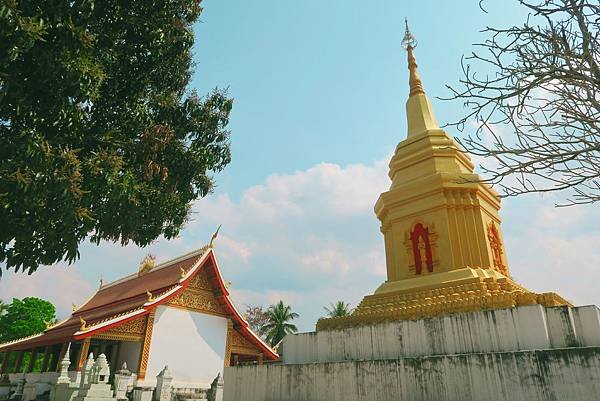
(137, 295)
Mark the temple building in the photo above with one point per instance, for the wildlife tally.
(450, 323)
(178, 313)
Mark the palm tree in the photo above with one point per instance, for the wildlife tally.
(278, 325)
(339, 309)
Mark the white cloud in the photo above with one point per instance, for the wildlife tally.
(311, 238)
(62, 285)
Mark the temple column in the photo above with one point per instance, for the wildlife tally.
(31, 366)
(57, 354)
(61, 354)
(145, 349)
(47, 354)
(5, 360)
(19, 361)
(114, 354)
(85, 346)
(260, 359)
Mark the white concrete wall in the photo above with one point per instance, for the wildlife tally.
(564, 374)
(522, 328)
(191, 343)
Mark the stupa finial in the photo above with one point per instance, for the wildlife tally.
(409, 42)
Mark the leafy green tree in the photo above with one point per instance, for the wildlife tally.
(339, 309)
(99, 135)
(25, 317)
(278, 325)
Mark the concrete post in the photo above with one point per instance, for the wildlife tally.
(122, 379)
(163, 385)
(64, 367)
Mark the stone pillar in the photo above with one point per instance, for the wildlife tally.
(216, 389)
(64, 367)
(101, 370)
(85, 346)
(46, 361)
(163, 385)
(122, 379)
(88, 371)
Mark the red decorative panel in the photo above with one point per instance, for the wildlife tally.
(421, 248)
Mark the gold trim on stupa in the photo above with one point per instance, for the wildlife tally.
(441, 227)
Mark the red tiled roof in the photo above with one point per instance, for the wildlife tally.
(127, 299)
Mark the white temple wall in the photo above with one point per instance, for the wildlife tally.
(563, 374)
(192, 344)
(521, 328)
(130, 353)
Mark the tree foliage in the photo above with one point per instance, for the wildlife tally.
(25, 317)
(99, 135)
(542, 84)
(257, 317)
(278, 326)
(338, 309)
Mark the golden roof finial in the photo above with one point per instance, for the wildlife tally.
(83, 324)
(150, 296)
(101, 281)
(409, 43)
(73, 307)
(147, 264)
(214, 237)
(183, 272)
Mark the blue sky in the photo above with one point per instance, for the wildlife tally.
(320, 89)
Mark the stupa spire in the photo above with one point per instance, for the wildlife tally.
(409, 42)
(419, 112)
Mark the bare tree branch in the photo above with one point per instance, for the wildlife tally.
(541, 84)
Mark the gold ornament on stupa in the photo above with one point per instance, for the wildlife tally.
(443, 243)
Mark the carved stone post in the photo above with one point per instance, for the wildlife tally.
(64, 367)
(122, 379)
(163, 385)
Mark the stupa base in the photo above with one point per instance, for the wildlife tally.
(463, 290)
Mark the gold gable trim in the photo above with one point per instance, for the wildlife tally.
(129, 331)
(198, 297)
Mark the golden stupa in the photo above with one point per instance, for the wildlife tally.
(443, 242)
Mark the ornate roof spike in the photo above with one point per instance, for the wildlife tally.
(83, 324)
(73, 307)
(101, 281)
(409, 42)
(150, 296)
(183, 272)
(214, 237)
(147, 264)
